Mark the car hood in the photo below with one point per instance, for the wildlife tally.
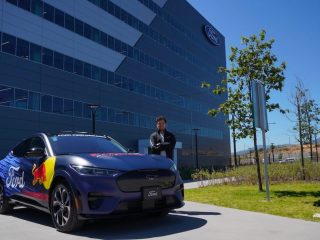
(121, 161)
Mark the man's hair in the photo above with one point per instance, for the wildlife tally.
(161, 118)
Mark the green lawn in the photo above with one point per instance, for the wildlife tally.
(295, 200)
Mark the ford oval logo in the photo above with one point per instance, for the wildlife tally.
(151, 177)
(211, 34)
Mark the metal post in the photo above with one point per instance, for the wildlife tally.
(197, 159)
(93, 108)
(196, 139)
(265, 164)
(93, 122)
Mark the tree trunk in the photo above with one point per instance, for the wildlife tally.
(234, 142)
(301, 139)
(316, 144)
(310, 134)
(235, 151)
(257, 159)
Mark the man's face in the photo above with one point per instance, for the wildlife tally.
(161, 125)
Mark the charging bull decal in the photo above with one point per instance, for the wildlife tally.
(44, 173)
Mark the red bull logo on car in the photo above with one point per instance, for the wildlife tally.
(39, 174)
(44, 173)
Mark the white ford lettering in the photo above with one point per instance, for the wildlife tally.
(15, 181)
(152, 193)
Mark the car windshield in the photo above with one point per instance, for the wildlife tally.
(76, 144)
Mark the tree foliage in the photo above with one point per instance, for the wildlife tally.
(255, 61)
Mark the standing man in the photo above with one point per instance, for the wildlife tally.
(162, 142)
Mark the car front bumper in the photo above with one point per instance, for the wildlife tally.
(100, 197)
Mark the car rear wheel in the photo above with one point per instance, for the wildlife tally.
(63, 209)
(5, 206)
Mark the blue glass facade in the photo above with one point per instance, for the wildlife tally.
(56, 58)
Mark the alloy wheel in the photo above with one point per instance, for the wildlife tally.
(61, 206)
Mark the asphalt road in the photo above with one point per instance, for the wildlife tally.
(194, 221)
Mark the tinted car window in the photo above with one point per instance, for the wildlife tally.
(21, 149)
(37, 142)
(71, 144)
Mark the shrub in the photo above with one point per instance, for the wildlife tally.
(278, 172)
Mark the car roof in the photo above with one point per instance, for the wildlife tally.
(73, 133)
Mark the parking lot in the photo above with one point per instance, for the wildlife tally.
(193, 221)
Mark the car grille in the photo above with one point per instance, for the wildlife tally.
(134, 181)
(138, 206)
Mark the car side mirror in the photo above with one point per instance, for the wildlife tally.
(36, 152)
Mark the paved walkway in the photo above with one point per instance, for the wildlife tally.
(193, 221)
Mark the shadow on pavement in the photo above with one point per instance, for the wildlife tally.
(133, 227)
(297, 193)
(195, 213)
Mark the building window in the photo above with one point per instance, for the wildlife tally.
(58, 60)
(96, 73)
(69, 22)
(8, 43)
(68, 64)
(87, 31)
(35, 53)
(111, 42)
(22, 48)
(34, 101)
(87, 70)
(78, 67)
(46, 103)
(111, 115)
(24, 4)
(68, 107)
(21, 98)
(48, 12)
(117, 45)
(110, 7)
(86, 111)
(78, 108)
(104, 76)
(37, 7)
(59, 17)
(57, 105)
(14, 2)
(95, 35)
(6, 96)
(79, 27)
(103, 114)
(111, 78)
(47, 56)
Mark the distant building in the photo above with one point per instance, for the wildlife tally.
(136, 58)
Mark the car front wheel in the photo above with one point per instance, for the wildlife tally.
(63, 210)
(5, 206)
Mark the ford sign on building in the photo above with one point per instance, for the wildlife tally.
(136, 59)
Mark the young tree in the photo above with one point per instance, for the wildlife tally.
(299, 100)
(255, 61)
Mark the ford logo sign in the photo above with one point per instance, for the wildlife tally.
(211, 34)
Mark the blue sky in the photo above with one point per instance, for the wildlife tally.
(295, 25)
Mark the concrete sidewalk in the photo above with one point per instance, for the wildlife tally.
(193, 221)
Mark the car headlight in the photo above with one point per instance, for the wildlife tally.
(95, 171)
(174, 168)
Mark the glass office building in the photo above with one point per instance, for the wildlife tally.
(137, 59)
